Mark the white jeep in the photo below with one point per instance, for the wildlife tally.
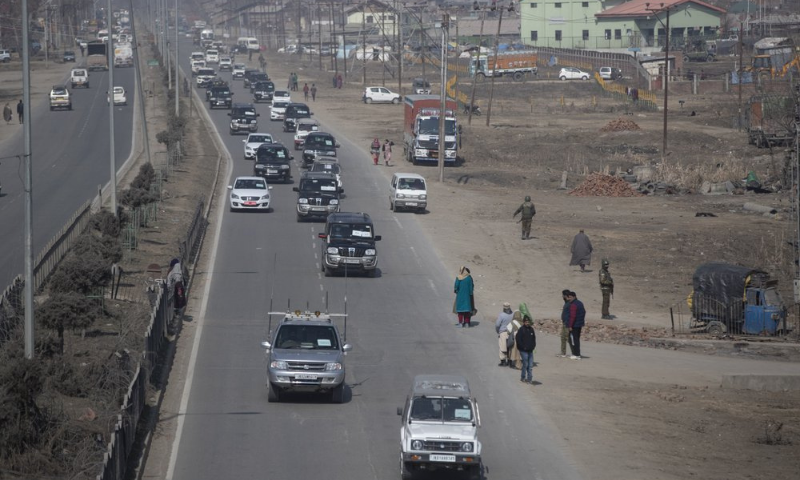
(79, 77)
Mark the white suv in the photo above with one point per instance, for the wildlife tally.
(5, 56)
(212, 56)
(572, 73)
(380, 95)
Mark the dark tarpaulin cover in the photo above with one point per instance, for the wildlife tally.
(721, 281)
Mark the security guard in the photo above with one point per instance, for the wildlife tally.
(528, 211)
(606, 288)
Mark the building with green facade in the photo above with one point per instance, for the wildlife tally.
(616, 25)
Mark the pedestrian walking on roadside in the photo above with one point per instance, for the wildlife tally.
(528, 210)
(249, 55)
(501, 327)
(7, 114)
(464, 305)
(581, 250)
(339, 81)
(82, 49)
(176, 285)
(305, 91)
(294, 82)
(574, 317)
(313, 92)
(375, 149)
(21, 111)
(526, 343)
(564, 332)
(387, 152)
(606, 288)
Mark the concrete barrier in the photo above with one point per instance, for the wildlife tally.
(769, 383)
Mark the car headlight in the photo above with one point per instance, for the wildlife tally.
(332, 250)
(333, 202)
(423, 197)
(248, 148)
(333, 366)
(416, 445)
(252, 121)
(331, 153)
(279, 364)
(370, 252)
(308, 152)
(466, 447)
(260, 166)
(284, 167)
(234, 196)
(265, 197)
(400, 195)
(302, 200)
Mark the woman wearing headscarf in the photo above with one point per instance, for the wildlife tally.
(465, 302)
(514, 358)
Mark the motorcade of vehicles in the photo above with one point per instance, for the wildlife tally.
(249, 193)
(380, 95)
(244, 118)
(318, 144)
(348, 244)
(60, 98)
(225, 64)
(421, 135)
(731, 299)
(262, 91)
(195, 56)
(304, 127)
(212, 56)
(515, 64)
(197, 65)
(273, 162)
(253, 141)
(220, 96)
(572, 73)
(328, 165)
(79, 77)
(278, 110)
(205, 77)
(238, 71)
(408, 191)
(440, 420)
(317, 196)
(306, 353)
(294, 112)
(96, 56)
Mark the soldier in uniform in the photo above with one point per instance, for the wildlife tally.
(528, 211)
(607, 288)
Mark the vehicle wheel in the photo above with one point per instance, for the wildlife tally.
(395, 101)
(562, 77)
(585, 77)
(327, 272)
(391, 206)
(405, 473)
(337, 394)
(518, 76)
(69, 108)
(51, 109)
(685, 60)
(372, 273)
(475, 473)
(716, 328)
(273, 396)
(480, 77)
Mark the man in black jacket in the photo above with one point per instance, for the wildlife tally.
(526, 343)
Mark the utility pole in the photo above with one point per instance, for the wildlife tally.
(443, 93)
(494, 64)
(656, 11)
(140, 87)
(344, 45)
(319, 34)
(177, 82)
(364, 42)
(26, 153)
(334, 51)
(477, 61)
(111, 153)
(400, 48)
(741, 69)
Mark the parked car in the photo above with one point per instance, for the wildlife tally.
(572, 73)
(610, 73)
(380, 95)
(69, 56)
(5, 56)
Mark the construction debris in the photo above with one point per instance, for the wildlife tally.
(620, 125)
(599, 185)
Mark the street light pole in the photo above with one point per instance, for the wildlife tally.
(494, 66)
(26, 153)
(443, 93)
(477, 65)
(655, 11)
(111, 154)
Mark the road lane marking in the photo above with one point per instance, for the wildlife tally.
(433, 286)
(397, 222)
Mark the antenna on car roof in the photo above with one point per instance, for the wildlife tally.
(271, 296)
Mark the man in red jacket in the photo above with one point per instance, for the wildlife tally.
(574, 317)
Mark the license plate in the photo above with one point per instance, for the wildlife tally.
(272, 171)
(352, 260)
(318, 209)
(251, 204)
(303, 376)
(411, 204)
(442, 458)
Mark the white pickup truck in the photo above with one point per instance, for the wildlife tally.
(79, 77)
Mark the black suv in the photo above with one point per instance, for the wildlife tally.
(318, 144)
(294, 112)
(248, 73)
(220, 97)
(349, 244)
(243, 118)
(317, 195)
(263, 90)
(272, 162)
(255, 78)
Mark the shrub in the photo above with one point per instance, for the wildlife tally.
(80, 274)
(106, 223)
(68, 311)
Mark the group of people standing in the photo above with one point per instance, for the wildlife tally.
(516, 340)
(376, 149)
(8, 115)
(337, 81)
(292, 85)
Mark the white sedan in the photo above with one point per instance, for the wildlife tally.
(249, 193)
(572, 73)
(278, 110)
(120, 98)
(253, 141)
(281, 96)
(380, 95)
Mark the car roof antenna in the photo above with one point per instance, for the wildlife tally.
(271, 296)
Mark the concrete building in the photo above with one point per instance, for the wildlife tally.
(616, 25)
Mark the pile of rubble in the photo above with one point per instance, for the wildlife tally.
(620, 125)
(599, 185)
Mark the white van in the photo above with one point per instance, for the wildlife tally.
(408, 190)
(251, 43)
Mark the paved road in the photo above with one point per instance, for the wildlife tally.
(70, 159)
(399, 326)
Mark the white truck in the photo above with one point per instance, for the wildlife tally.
(123, 55)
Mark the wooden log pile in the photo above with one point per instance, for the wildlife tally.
(599, 185)
(620, 125)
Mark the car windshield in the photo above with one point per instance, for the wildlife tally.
(441, 409)
(221, 91)
(265, 86)
(59, 90)
(318, 185)
(326, 167)
(244, 112)
(259, 139)
(239, 66)
(411, 184)
(281, 93)
(319, 141)
(79, 73)
(310, 337)
(279, 105)
(430, 126)
(205, 71)
(352, 231)
(250, 184)
(272, 155)
(299, 112)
